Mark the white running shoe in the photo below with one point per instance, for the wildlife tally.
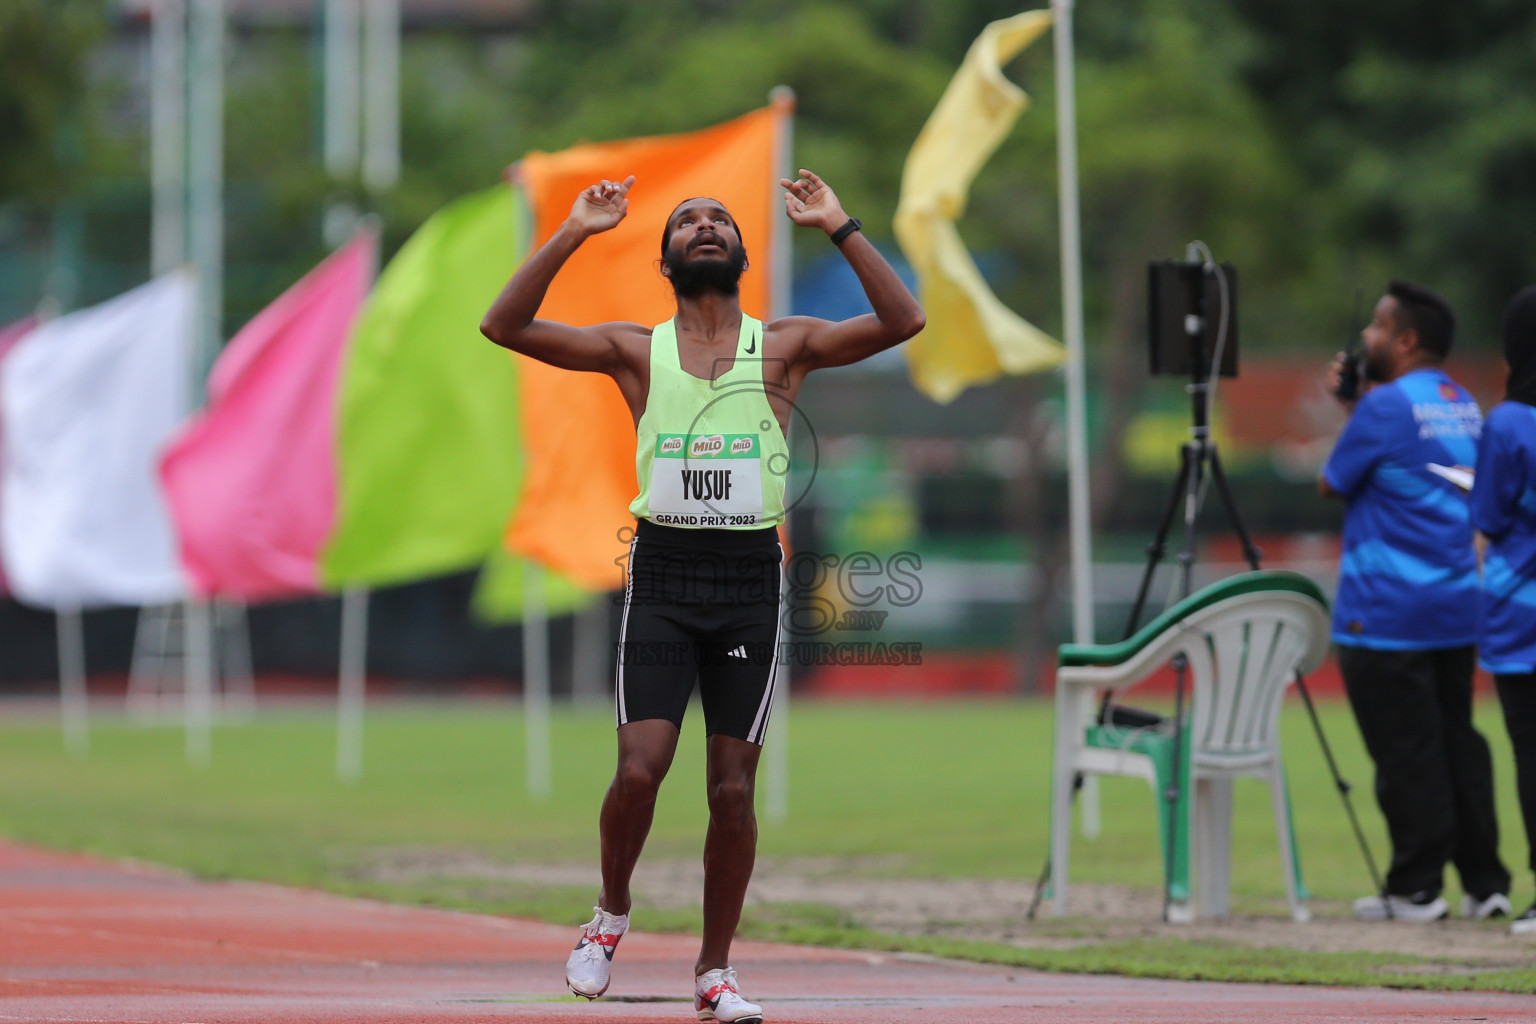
(1496, 905)
(717, 997)
(1525, 924)
(587, 968)
(1411, 909)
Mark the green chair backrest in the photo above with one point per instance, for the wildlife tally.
(1281, 580)
(1244, 639)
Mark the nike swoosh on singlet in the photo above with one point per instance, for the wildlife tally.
(752, 347)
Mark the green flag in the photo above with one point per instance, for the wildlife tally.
(429, 454)
(498, 596)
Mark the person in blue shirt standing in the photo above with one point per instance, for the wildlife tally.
(1405, 618)
(1504, 511)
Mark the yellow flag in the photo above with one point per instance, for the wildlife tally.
(971, 336)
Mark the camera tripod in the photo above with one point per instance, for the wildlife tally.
(1200, 461)
(1200, 464)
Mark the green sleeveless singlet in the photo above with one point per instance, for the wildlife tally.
(710, 453)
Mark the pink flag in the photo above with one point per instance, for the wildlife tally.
(9, 336)
(251, 481)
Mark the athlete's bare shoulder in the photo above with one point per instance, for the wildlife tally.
(785, 337)
(628, 332)
(631, 340)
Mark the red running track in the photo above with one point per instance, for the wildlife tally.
(89, 940)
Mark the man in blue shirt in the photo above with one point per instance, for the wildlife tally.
(1405, 619)
(1504, 511)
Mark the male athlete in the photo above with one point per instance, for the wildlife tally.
(710, 391)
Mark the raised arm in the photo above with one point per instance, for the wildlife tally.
(810, 202)
(510, 321)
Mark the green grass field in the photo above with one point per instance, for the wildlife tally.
(950, 790)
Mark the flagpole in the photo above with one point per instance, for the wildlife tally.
(168, 134)
(782, 97)
(352, 667)
(205, 230)
(536, 682)
(342, 129)
(381, 94)
(352, 685)
(1079, 512)
(591, 641)
(206, 185)
(73, 702)
(197, 700)
(776, 788)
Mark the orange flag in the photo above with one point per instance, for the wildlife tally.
(573, 516)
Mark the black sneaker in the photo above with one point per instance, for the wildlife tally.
(1525, 924)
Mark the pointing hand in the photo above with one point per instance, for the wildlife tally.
(601, 207)
(810, 202)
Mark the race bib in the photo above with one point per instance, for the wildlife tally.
(707, 480)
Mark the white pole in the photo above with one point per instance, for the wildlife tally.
(352, 685)
(591, 642)
(536, 682)
(168, 134)
(73, 704)
(341, 124)
(341, 140)
(205, 199)
(381, 94)
(206, 171)
(779, 284)
(352, 674)
(776, 784)
(1078, 510)
(197, 701)
(1080, 533)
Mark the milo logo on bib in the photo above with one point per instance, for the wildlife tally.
(706, 446)
(707, 480)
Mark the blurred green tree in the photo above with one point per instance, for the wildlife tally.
(1413, 123)
(45, 50)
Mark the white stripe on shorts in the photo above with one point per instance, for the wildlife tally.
(618, 670)
(759, 728)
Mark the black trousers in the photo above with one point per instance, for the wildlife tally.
(1517, 695)
(1434, 772)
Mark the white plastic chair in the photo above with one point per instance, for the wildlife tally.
(1245, 638)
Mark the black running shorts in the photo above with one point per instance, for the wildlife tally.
(700, 605)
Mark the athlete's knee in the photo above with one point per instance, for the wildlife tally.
(638, 778)
(730, 800)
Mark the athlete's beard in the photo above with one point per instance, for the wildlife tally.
(691, 278)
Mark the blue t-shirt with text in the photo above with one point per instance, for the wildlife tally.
(1408, 574)
(1504, 509)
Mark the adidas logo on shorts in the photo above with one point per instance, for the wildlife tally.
(738, 652)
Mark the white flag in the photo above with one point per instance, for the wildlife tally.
(87, 401)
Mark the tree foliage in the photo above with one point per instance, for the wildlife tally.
(1321, 147)
(44, 48)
